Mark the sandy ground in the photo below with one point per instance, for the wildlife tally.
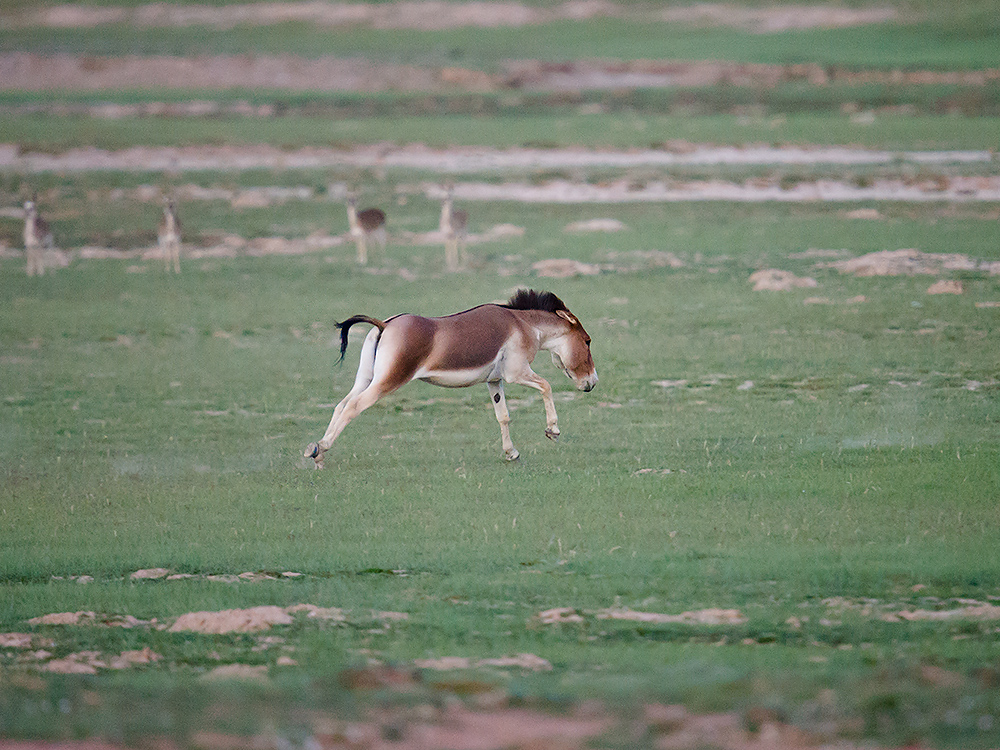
(461, 160)
(437, 14)
(25, 71)
(418, 705)
(175, 160)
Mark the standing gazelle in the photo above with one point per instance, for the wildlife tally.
(367, 224)
(169, 236)
(453, 225)
(37, 238)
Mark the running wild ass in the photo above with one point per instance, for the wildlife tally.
(489, 344)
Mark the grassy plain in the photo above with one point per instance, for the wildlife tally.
(826, 469)
(157, 421)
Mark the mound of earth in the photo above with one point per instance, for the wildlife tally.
(910, 262)
(775, 280)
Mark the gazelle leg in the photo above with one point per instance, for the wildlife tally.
(503, 417)
(362, 251)
(36, 266)
(176, 251)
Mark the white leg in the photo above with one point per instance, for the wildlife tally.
(450, 255)
(36, 260)
(532, 380)
(503, 417)
(362, 251)
(366, 373)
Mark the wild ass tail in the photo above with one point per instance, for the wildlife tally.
(346, 326)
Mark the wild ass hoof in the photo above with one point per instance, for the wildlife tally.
(552, 433)
(313, 451)
(512, 454)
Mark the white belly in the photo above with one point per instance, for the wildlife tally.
(460, 378)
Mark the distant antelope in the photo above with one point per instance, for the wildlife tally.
(37, 238)
(169, 236)
(453, 225)
(367, 224)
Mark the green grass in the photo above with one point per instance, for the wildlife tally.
(150, 420)
(795, 97)
(948, 42)
(927, 132)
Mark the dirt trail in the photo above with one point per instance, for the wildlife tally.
(26, 71)
(457, 161)
(437, 14)
(470, 159)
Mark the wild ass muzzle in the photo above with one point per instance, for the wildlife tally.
(490, 344)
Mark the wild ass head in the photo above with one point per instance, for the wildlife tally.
(568, 342)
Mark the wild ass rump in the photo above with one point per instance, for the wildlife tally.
(489, 344)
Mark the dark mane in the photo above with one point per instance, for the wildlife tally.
(529, 299)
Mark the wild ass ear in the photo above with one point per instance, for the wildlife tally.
(568, 317)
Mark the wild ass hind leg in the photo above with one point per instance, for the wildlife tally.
(503, 417)
(366, 373)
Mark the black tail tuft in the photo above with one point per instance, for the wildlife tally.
(346, 326)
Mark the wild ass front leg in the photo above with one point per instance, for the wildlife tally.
(540, 384)
(503, 417)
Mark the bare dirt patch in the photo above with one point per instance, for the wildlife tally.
(251, 620)
(435, 14)
(88, 618)
(571, 616)
(564, 268)
(426, 15)
(933, 610)
(775, 280)
(528, 662)
(777, 19)
(474, 159)
(453, 725)
(25, 71)
(910, 262)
